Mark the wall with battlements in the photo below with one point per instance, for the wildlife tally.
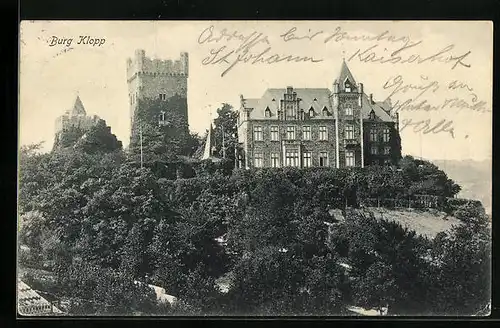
(155, 78)
(67, 121)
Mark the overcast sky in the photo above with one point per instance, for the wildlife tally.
(51, 76)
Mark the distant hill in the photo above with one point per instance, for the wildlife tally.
(473, 176)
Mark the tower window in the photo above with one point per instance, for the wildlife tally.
(348, 111)
(349, 131)
(290, 132)
(161, 119)
(349, 158)
(162, 96)
(347, 86)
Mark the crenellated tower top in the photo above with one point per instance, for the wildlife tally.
(141, 64)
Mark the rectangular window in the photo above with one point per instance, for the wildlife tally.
(373, 134)
(323, 158)
(323, 133)
(274, 133)
(374, 150)
(275, 160)
(306, 159)
(387, 150)
(290, 132)
(387, 161)
(306, 133)
(292, 158)
(349, 158)
(257, 133)
(258, 159)
(386, 135)
(162, 96)
(348, 111)
(349, 131)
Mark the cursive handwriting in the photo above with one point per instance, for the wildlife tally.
(450, 103)
(338, 36)
(398, 86)
(245, 52)
(369, 55)
(289, 35)
(426, 126)
(208, 35)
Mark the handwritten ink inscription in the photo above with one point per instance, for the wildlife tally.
(245, 52)
(468, 101)
(229, 48)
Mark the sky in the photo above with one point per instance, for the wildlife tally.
(436, 55)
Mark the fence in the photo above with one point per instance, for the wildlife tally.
(446, 204)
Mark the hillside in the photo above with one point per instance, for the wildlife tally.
(426, 223)
(473, 176)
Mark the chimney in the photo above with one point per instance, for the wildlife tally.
(371, 98)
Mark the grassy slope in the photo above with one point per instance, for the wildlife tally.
(425, 223)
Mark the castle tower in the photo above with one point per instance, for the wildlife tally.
(155, 79)
(348, 102)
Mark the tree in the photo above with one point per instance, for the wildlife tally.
(226, 132)
(98, 139)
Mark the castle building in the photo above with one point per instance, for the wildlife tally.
(155, 79)
(311, 127)
(75, 117)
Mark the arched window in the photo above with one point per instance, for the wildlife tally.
(161, 119)
(347, 86)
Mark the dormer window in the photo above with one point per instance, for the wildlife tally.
(268, 112)
(372, 115)
(311, 112)
(315, 99)
(347, 86)
(274, 99)
(325, 111)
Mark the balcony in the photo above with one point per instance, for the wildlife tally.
(351, 142)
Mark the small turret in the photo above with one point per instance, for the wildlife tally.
(185, 63)
(139, 59)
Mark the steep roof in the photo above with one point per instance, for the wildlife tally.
(345, 73)
(379, 108)
(78, 108)
(317, 98)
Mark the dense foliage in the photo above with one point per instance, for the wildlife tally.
(99, 222)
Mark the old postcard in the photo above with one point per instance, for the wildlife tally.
(255, 168)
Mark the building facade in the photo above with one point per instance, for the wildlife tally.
(155, 79)
(309, 127)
